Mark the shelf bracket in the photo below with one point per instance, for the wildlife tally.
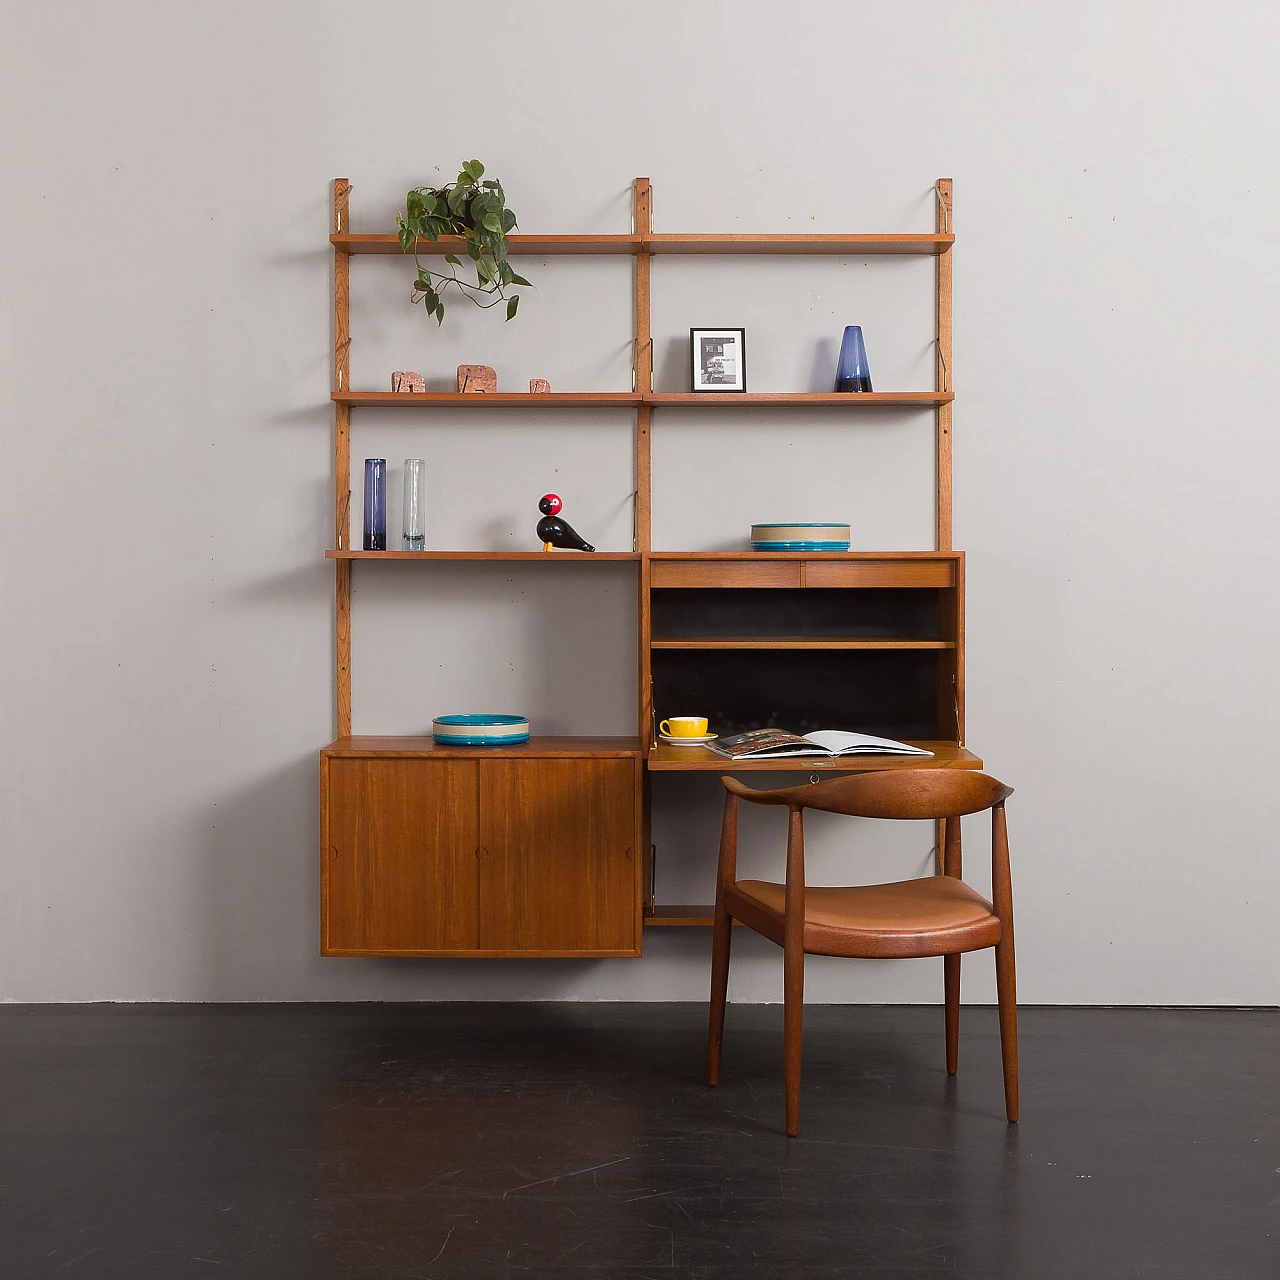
(946, 373)
(944, 206)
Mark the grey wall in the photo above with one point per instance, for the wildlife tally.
(165, 337)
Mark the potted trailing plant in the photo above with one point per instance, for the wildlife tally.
(477, 211)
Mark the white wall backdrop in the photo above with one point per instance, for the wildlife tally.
(165, 346)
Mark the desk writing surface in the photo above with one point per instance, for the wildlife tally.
(946, 755)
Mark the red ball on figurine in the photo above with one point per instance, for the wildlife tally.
(549, 504)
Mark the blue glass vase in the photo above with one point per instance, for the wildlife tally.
(852, 372)
(375, 504)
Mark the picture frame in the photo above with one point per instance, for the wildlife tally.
(717, 360)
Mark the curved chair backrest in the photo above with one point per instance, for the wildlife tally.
(888, 793)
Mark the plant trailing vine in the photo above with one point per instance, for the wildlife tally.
(478, 212)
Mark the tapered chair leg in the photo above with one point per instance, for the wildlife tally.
(951, 1001)
(721, 941)
(1006, 995)
(1006, 988)
(793, 997)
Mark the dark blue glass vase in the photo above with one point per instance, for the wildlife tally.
(375, 504)
(853, 373)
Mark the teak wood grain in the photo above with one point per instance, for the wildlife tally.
(527, 851)
(536, 557)
(400, 872)
(784, 243)
(537, 748)
(945, 372)
(559, 863)
(342, 458)
(489, 400)
(726, 573)
(626, 399)
(797, 642)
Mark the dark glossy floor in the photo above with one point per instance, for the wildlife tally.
(578, 1140)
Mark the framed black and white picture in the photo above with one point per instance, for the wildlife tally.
(719, 359)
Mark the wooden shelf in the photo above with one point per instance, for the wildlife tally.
(494, 400)
(410, 747)
(795, 642)
(629, 399)
(908, 557)
(946, 755)
(786, 243)
(682, 916)
(851, 246)
(802, 399)
(540, 246)
(542, 557)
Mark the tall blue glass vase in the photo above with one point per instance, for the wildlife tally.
(375, 504)
(852, 372)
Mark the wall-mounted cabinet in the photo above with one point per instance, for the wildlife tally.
(448, 851)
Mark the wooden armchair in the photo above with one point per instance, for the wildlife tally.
(934, 916)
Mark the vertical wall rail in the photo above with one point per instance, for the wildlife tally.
(342, 458)
(945, 370)
(643, 220)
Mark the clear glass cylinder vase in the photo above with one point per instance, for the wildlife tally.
(413, 536)
(375, 504)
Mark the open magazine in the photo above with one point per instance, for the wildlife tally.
(825, 742)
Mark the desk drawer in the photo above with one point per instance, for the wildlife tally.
(726, 573)
(880, 573)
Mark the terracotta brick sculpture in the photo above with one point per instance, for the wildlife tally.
(539, 386)
(405, 380)
(476, 378)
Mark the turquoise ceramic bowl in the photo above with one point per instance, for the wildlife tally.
(800, 537)
(488, 730)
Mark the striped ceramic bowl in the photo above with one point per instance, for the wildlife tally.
(800, 537)
(480, 730)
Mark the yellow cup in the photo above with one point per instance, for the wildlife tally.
(684, 727)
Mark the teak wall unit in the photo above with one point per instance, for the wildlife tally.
(543, 849)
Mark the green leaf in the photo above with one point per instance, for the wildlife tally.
(439, 313)
(505, 274)
(515, 279)
(492, 222)
(473, 249)
(484, 270)
(512, 303)
(489, 184)
(475, 169)
(508, 220)
(406, 238)
(455, 261)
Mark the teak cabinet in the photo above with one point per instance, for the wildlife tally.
(439, 851)
(543, 849)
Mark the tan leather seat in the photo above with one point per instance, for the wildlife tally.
(905, 906)
(946, 911)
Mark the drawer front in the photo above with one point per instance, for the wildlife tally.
(726, 573)
(880, 573)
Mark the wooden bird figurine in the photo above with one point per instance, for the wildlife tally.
(555, 532)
